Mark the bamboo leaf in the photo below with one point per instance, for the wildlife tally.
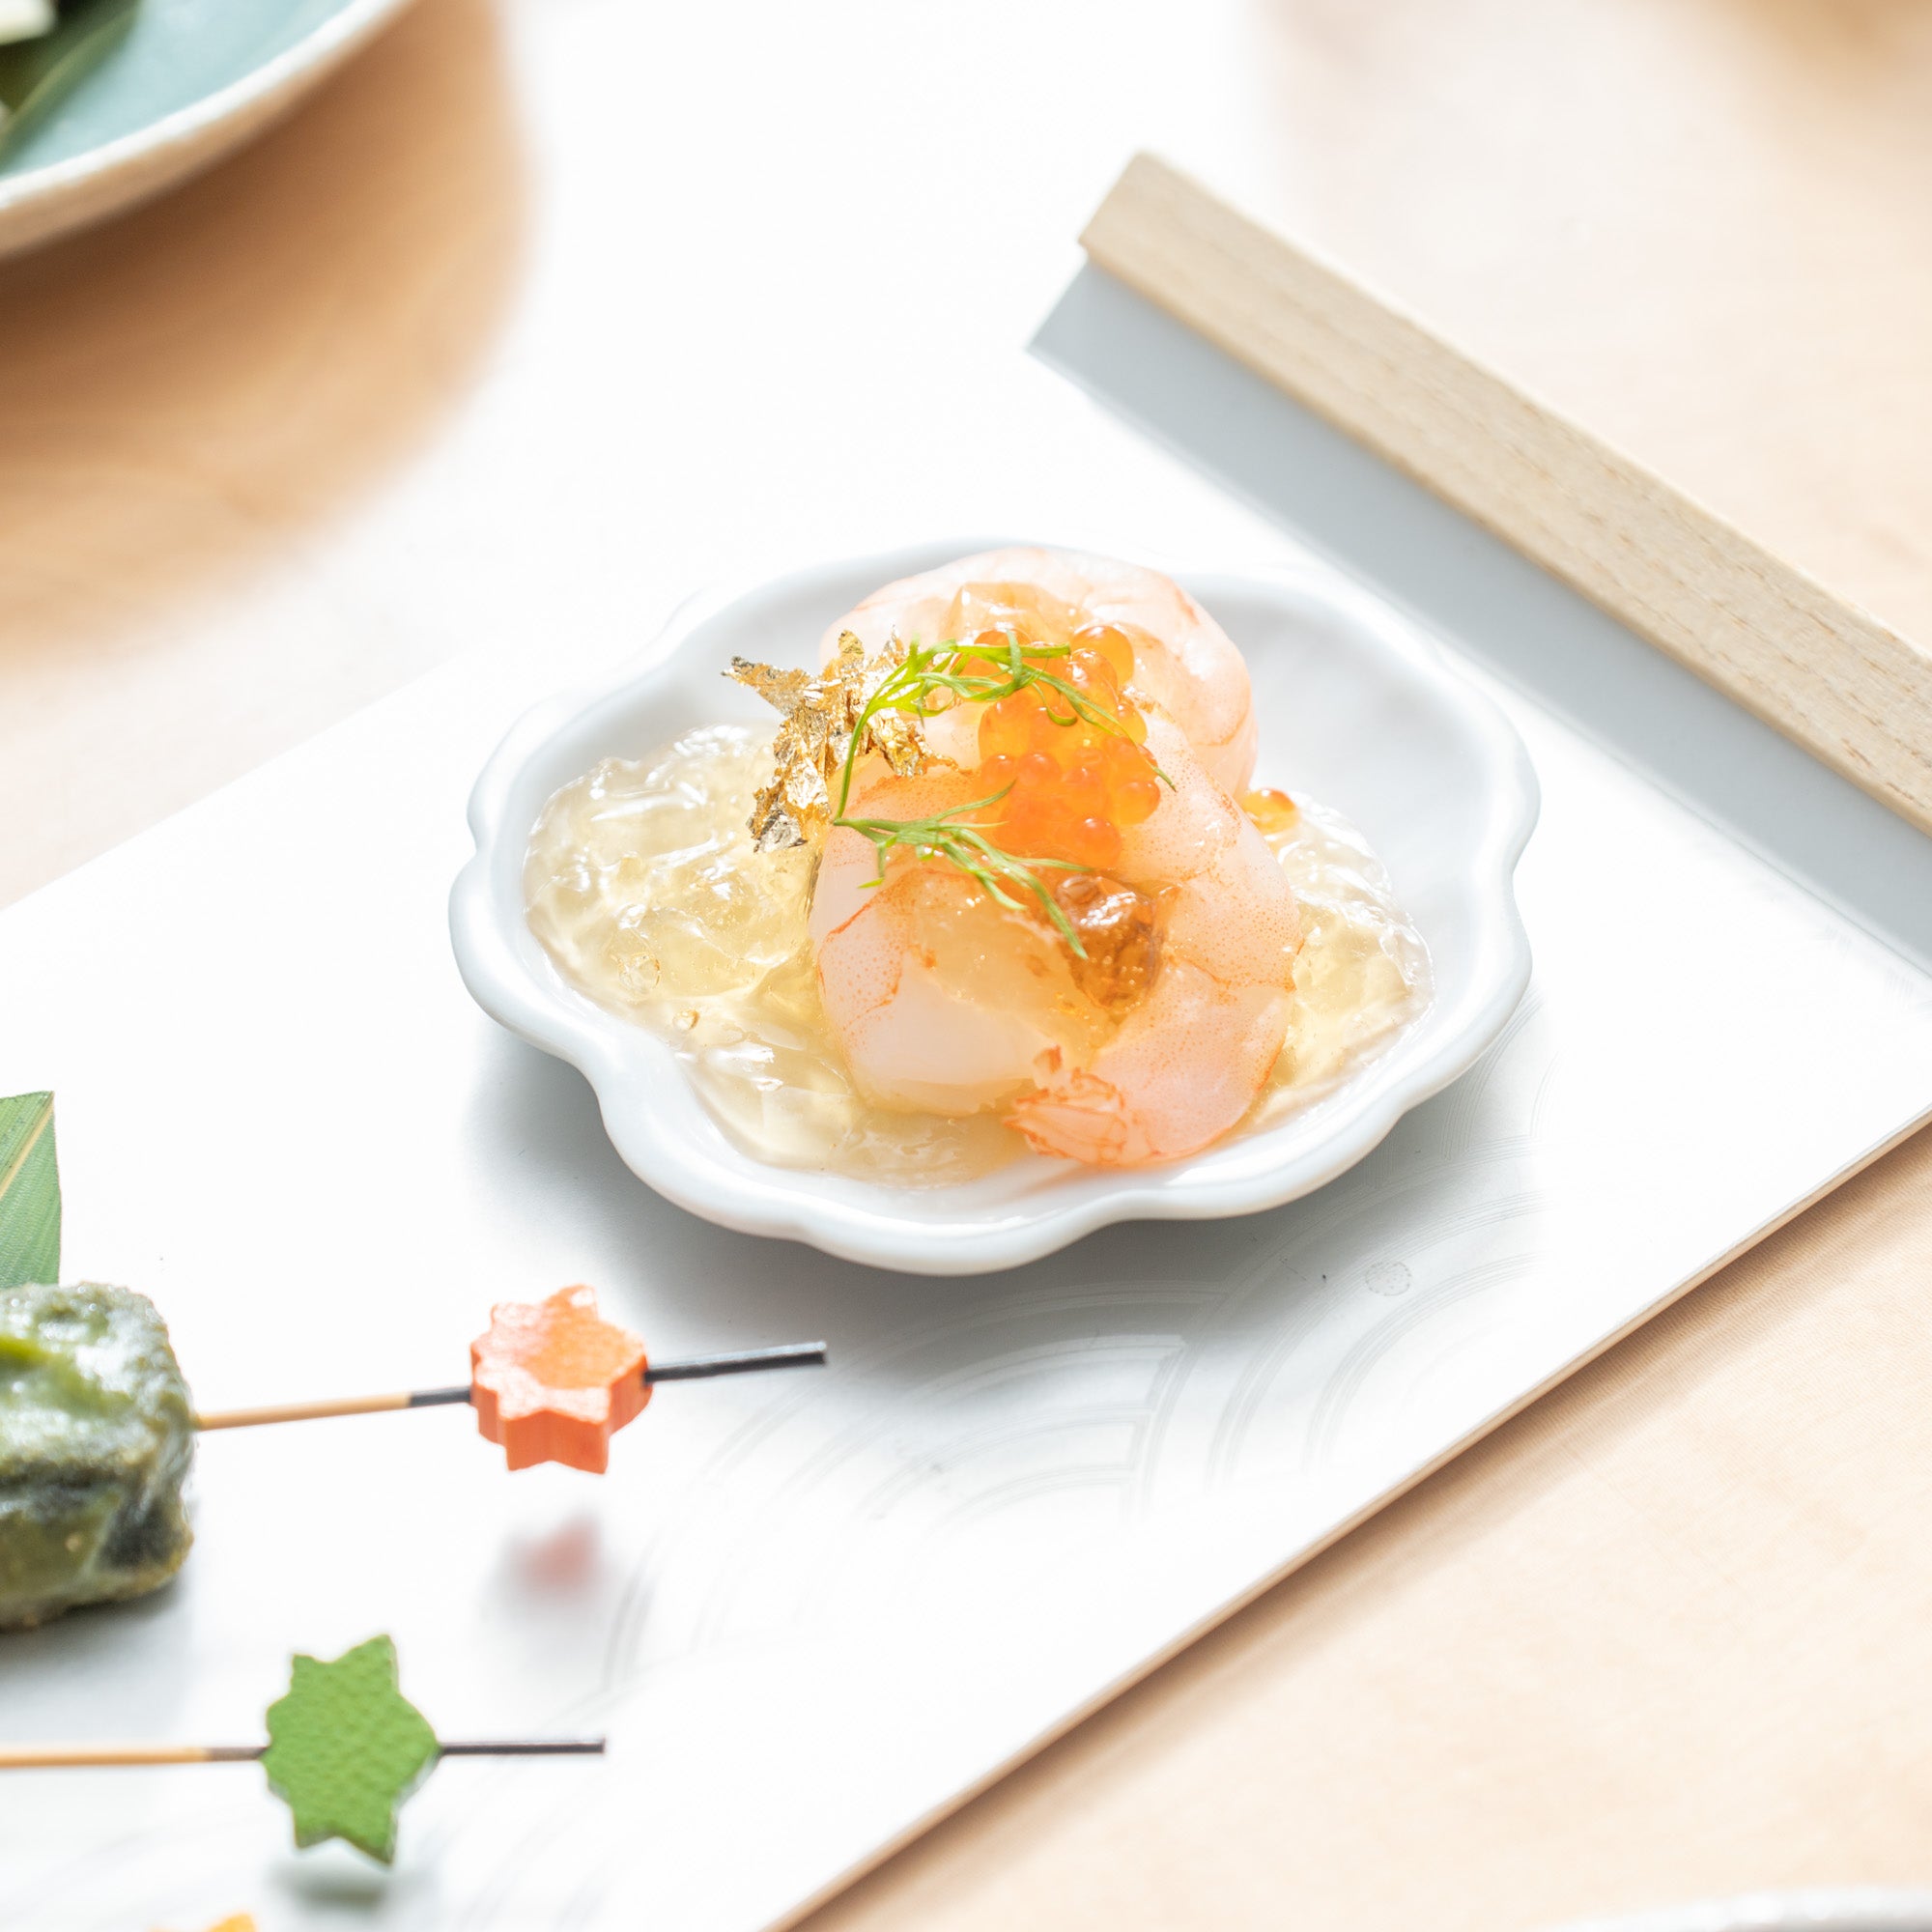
(35, 74)
(29, 1197)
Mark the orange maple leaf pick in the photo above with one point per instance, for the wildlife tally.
(552, 1379)
(551, 1382)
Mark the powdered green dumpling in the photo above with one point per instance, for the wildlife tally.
(96, 1434)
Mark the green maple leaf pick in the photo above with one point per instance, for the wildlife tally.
(346, 1748)
(30, 1198)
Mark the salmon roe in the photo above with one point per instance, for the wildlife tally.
(1076, 785)
(1271, 810)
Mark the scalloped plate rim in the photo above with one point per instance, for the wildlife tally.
(506, 973)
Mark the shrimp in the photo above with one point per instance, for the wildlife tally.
(1148, 1045)
(1183, 661)
(1187, 1059)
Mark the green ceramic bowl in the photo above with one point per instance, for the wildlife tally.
(188, 81)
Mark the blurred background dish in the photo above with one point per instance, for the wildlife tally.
(183, 83)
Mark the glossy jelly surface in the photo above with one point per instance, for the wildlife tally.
(642, 884)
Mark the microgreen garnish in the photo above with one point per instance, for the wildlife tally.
(826, 727)
(928, 671)
(910, 687)
(966, 847)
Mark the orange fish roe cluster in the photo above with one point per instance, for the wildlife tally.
(1074, 783)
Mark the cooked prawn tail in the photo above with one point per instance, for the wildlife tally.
(1080, 1117)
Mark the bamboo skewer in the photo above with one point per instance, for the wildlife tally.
(77, 1757)
(345, 1749)
(697, 1368)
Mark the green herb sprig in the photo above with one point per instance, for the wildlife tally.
(928, 671)
(943, 836)
(912, 687)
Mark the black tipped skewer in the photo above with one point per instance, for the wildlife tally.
(694, 1368)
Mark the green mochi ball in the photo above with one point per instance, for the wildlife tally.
(96, 1434)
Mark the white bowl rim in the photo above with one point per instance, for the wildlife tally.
(724, 1185)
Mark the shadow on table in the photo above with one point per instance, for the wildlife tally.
(1484, 597)
(1191, 1284)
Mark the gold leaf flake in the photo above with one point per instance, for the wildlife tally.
(819, 716)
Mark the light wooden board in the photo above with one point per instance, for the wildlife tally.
(1830, 675)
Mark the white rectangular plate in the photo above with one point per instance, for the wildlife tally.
(813, 1610)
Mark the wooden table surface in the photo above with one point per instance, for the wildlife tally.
(347, 407)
